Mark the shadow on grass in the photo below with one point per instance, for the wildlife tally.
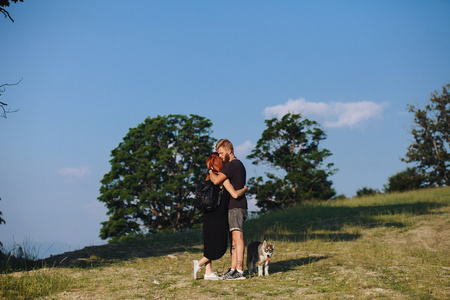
(152, 246)
(287, 265)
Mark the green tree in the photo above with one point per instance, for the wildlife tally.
(406, 180)
(431, 147)
(366, 191)
(290, 146)
(5, 3)
(153, 174)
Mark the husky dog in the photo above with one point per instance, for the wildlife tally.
(259, 254)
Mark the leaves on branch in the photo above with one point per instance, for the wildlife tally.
(5, 3)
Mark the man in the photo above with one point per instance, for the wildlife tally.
(234, 170)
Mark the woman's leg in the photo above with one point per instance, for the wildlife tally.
(208, 268)
(203, 261)
(207, 263)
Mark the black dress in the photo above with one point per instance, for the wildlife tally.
(215, 228)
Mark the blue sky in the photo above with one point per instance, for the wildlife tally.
(94, 69)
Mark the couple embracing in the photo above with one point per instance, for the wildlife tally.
(228, 175)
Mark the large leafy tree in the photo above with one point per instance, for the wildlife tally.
(290, 147)
(431, 147)
(153, 174)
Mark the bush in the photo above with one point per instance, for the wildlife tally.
(366, 191)
(403, 181)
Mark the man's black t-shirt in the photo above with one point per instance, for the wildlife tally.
(235, 172)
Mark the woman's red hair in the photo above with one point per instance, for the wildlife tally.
(215, 163)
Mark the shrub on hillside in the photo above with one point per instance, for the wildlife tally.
(366, 191)
(406, 180)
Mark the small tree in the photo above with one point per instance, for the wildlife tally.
(403, 181)
(290, 146)
(431, 147)
(153, 174)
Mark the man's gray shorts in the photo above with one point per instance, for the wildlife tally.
(236, 218)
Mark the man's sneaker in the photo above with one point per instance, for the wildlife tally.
(195, 268)
(228, 274)
(237, 275)
(212, 276)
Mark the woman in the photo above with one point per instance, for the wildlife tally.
(215, 223)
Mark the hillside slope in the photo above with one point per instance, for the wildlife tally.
(384, 246)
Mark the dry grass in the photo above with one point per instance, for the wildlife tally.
(391, 246)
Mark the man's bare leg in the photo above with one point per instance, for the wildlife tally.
(237, 252)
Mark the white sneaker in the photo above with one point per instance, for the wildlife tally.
(195, 268)
(212, 276)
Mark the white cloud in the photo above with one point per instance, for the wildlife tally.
(75, 173)
(333, 114)
(243, 150)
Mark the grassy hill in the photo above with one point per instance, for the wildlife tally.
(384, 246)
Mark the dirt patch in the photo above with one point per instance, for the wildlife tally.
(433, 237)
(429, 233)
(382, 293)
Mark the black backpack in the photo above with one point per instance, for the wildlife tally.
(206, 196)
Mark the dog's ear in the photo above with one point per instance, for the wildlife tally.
(264, 243)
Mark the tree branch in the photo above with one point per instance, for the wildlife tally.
(6, 13)
(2, 104)
(11, 84)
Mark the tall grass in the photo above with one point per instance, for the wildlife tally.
(27, 284)
(30, 285)
(15, 256)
